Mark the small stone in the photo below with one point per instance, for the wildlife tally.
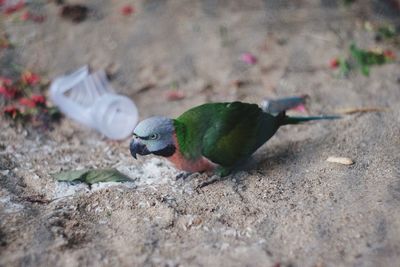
(76, 13)
(6, 162)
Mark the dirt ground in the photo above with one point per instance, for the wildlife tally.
(288, 207)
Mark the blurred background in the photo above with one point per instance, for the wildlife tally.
(198, 47)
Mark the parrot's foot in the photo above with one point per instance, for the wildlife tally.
(209, 181)
(223, 171)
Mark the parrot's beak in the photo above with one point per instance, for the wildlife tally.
(138, 148)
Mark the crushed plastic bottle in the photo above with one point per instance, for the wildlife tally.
(89, 99)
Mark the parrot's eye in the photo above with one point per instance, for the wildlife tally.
(153, 137)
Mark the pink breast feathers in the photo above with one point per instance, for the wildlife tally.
(199, 165)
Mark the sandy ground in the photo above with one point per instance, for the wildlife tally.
(288, 207)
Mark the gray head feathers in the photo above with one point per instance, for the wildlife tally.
(154, 135)
(154, 125)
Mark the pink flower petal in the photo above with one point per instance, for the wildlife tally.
(248, 58)
(30, 78)
(14, 8)
(334, 63)
(27, 102)
(127, 10)
(25, 16)
(38, 99)
(174, 95)
(5, 81)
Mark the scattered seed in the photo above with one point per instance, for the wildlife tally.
(340, 160)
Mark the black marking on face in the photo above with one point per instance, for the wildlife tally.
(150, 137)
(168, 151)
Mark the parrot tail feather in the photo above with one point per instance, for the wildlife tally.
(295, 120)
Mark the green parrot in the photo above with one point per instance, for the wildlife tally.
(214, 137)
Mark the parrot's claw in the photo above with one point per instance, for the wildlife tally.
(209, 181)
(183, 175)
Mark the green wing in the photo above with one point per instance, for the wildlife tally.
(225, 133)
(236, 133)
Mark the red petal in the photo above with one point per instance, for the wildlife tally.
(30, 78)
(389, 54)
(127, 10)
(27, 102)
(249, 58)
(11, 110)
(14, 8)
(8, 92)
(25, 16)
(174, 95)
(38, 99)
(334, 63)
(5, 81)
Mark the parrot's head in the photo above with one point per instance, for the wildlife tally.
(154, 135)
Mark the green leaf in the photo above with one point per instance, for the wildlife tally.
(92, 176)
(387, 31)
(344, 67)
(365, 59)
(348, 2)
(69, 176)
(365, 70)
(54, 113)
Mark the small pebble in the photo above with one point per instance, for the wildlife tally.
(76, 13)
(341, 160)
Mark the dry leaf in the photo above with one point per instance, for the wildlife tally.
(360, 110)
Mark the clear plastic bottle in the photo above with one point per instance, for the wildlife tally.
(89, 99)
